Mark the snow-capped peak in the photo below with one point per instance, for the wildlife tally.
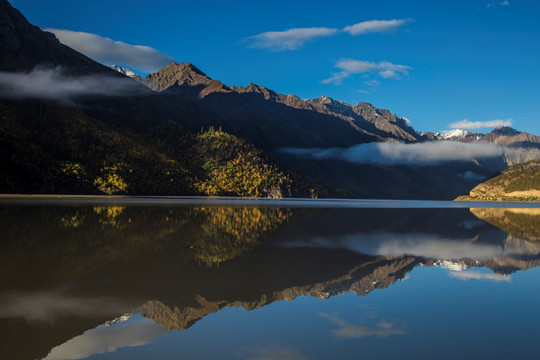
(455, 133)
(124, 71)
(451, 265)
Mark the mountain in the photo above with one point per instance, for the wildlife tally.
(518, 183)
(272, 120)
(132, 141)
(459, 135)
(24, 46)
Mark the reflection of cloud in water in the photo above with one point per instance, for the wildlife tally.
(389, 244)
(348, 331)
(46, 306)
(272, 352)
(104, 339)
(467, 275)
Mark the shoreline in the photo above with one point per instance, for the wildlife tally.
(124, 200)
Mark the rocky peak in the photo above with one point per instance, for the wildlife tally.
(259, 89)
(505, 131)
(184, 79)
(335, 106)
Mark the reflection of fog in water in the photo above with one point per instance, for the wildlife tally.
(395, 245)
(47, 306)
(104, 338)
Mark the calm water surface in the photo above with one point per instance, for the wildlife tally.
(143, 279)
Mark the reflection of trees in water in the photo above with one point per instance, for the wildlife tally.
(75, 240)
(523, 223)
(230, 232)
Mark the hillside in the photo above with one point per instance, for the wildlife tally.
(518, 183)
(95, 141)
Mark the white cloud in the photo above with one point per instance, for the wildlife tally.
(394, 153)
(384, 69)
(498, 3)
(372, 83)
(111, 52)
(348, 331)
(373, 26)
(289, 39)
(54, 84)
(467, 275)
(469, 125)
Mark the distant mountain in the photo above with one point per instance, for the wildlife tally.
(517, 183)
(126, 72)
(458, 134)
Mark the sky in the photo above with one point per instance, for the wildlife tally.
(472, 64)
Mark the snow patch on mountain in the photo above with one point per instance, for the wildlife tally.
(124, 71)
(455, 133)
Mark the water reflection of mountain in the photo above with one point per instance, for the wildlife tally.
(428, 234)
(85, 266)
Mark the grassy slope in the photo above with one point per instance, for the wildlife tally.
(518, 183)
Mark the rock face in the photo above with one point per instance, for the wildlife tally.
(24, 46)
(184, 80)
(518, 183)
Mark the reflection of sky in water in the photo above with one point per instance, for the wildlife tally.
(105, 339)
(393, 244)
(429, 313)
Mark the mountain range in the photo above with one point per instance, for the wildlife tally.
(120, 133)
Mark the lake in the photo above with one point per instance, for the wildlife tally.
(222, 278)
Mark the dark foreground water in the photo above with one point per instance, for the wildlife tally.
(143, 279)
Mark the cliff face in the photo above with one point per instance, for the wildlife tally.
(518, 183)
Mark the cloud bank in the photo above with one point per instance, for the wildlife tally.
(374, 26)
(384, 69)
(289, 39)
(111, 52)
(53, 84)
(394, 153)
(471, 125)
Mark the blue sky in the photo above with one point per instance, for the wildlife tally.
(433, 62)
